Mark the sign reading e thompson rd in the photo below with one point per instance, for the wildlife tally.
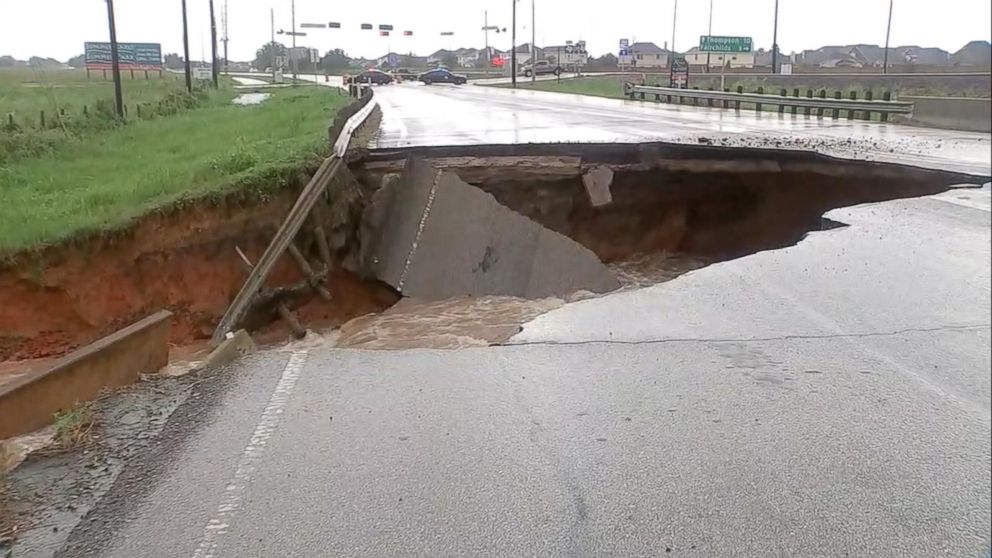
(713, 43)
(131, 56)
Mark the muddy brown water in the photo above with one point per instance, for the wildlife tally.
(675, 209)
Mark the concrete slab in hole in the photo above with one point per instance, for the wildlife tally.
(597, 182)
(439, 237)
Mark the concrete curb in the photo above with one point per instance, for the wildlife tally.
(30, 402)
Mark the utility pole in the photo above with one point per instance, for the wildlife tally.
(485, 27)
(513, 46)
(115, 63)
(223, 24)
(709, 32)
(533, 42)
(888, 32)
(292, 7)
(675, 15)
(775, 42)
(213, 44)
(189, 77)
(272, 42)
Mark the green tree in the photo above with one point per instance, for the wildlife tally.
(7, 61)
(335, 60)
(450, 60)
(77, 61)
(265, 57)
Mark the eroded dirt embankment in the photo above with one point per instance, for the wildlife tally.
(678, 207)
(183, 260)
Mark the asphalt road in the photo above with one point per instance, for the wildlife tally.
(414, 114)
(829, 399)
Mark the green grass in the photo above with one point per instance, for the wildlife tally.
(26, 92)
(75, 108)
(606, 86)
(113, 177)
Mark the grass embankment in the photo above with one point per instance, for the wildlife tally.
(112, 177)
(41, 110)
(605, 86)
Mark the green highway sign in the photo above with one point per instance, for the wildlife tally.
(712, 43)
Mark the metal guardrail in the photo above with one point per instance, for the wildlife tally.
(291, 225)
(732, 99)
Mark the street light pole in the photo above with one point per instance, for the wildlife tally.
(189, 77)
(888, 32)
(709, 32)
(675, 15)
(292, 7)
(775, 42)
(213, 44)
(115, 64)
(513, 47)
(533, 42)
(272, 42)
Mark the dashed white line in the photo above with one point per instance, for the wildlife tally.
(235, 489)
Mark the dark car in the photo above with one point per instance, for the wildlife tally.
(442, 75)
(375, 77)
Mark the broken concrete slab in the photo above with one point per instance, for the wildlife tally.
(434, 236)
(597, 182)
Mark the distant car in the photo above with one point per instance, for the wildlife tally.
(442, 76)
(373, 76)
(543, 67)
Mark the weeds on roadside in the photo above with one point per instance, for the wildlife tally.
(74, 426)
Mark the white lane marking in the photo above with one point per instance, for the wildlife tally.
(236, 486)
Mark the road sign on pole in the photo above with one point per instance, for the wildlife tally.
(715, 43)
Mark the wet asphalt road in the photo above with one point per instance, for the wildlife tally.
(414, 114)
(828, 399)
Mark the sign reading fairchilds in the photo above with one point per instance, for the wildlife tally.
(130, 56)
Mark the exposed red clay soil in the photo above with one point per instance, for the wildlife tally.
(183, 260)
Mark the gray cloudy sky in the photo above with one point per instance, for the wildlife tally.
(58, 28)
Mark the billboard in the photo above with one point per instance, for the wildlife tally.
(130, 56)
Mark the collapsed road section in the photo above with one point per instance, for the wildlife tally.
(623, 203)
(430, 235)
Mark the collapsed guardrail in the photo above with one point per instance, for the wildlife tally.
(251, 290)
(813, 105)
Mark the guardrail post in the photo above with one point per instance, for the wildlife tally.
(782, 92)
(757, 106)
(42, 120)
(836, 112)
(710, 100)
(809, 95)
(737, 104)
(868, 96)
(884, 116)
(695, 100)
(726, 104)
(853, 95)
(819, 110)
(795, 93)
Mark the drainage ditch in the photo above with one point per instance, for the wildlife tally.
(672, 209)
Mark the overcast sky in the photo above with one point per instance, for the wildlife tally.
(58, 28)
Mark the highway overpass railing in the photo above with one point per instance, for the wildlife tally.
(812, 104)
